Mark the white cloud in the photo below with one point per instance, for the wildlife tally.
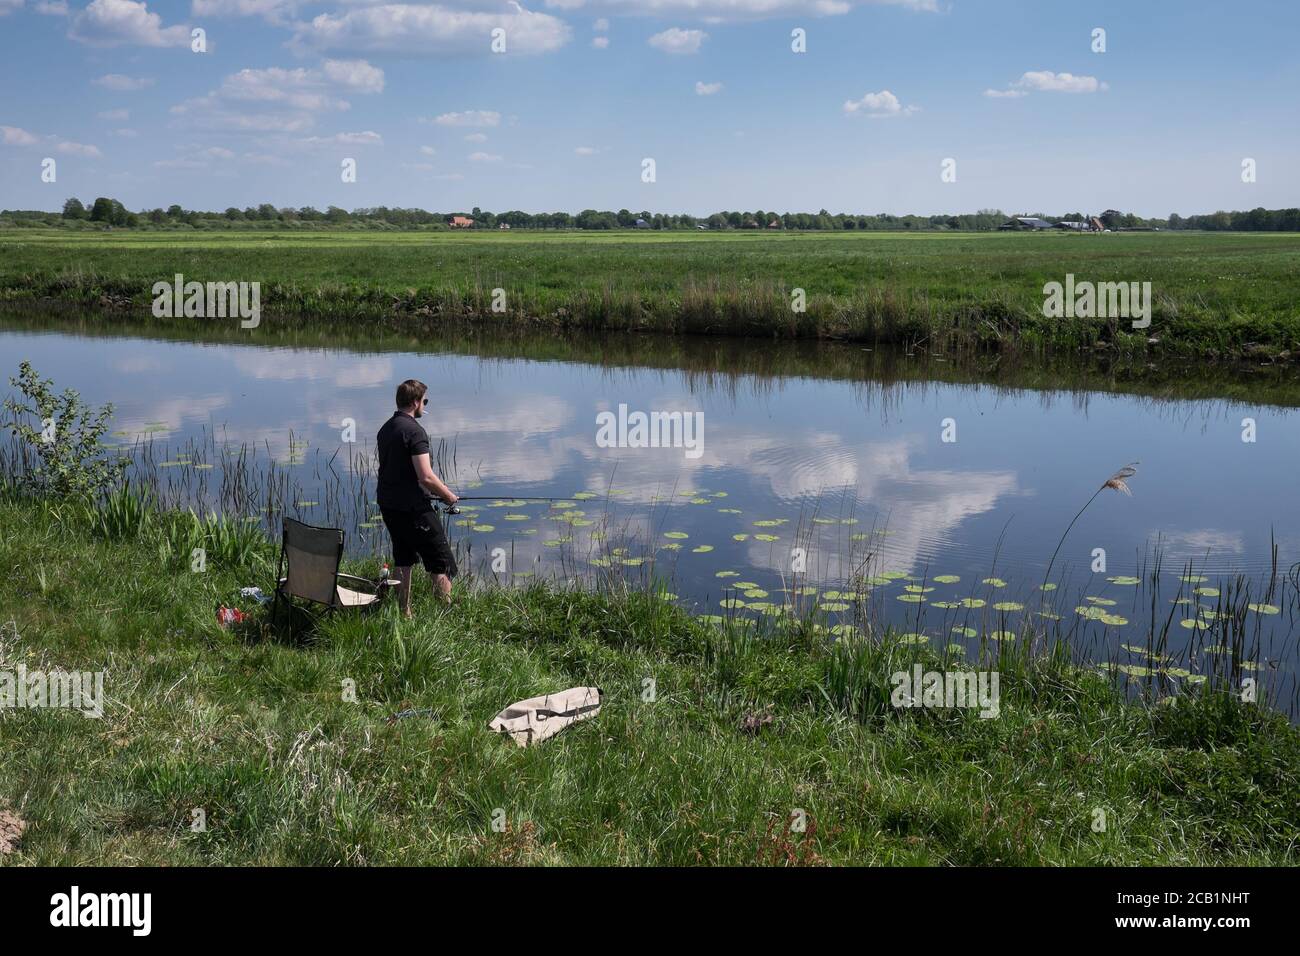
(273, 10)
(601, 25)
(14, 136)
(51, 8)
(675, 40)
(732, 11)
(78, 149)
(476, 138)
(126, 133)
(9, 6)
(600, 43)
(367, 138)
(123, 84)
(469, 118)
(1045, 81)
(114, 114)
(432, 30)
(355, 75)
(707, 89)
(878, 106)
(586, 150)
(108, 23)
(484, 158)
(428, 151)
(278, 99)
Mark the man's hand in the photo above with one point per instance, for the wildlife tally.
(451, 497)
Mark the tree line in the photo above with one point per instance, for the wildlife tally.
(105, 212)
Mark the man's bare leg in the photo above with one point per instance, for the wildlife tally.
(441, 587)
(403, 576)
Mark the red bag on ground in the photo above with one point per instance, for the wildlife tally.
(229, 615)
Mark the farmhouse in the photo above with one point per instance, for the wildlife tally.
(1026, 222)
(461, 222)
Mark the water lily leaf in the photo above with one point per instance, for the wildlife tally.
(732, 603)
(1101, 600)
(1113, 620)
(770, 522)
(702, 549)
(916, 589)
(1206, 592)
(913, 639)
(973, 602)
(946, 605)
(756, 593)
(1263, 608)
(833, 606)
(957, 648)
(994, 582)
(1003, 635)
(766, 537)
(1124, 579)
(740, 537)
(1194, 623)
(912, 598)
(482, 527)
(947, 578)
(1008, 606)
(965, 632)
(1193, 578)
(727, 574)
(676, 535)
(513, 517)
(730, 511)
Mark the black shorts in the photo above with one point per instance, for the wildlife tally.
(419, 534)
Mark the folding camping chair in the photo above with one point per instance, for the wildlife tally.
(309, 571)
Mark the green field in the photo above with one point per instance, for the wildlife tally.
(253, 730)
(1215, 295)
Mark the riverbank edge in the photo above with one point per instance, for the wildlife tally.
(780, 748)
(877, 317)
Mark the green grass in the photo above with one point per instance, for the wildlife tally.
(254, 730)
(1215, 295)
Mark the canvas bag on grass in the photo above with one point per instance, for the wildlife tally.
(533, 720)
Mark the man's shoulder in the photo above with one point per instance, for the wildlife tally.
(406, 426)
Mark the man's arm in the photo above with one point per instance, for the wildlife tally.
(431, 482)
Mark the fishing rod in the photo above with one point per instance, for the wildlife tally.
(453, 510)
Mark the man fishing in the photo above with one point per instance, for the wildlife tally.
(405, 493)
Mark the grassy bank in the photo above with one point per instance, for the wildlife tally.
(1225, 296)
(252, 729)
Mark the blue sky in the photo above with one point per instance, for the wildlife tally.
(710, 89)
